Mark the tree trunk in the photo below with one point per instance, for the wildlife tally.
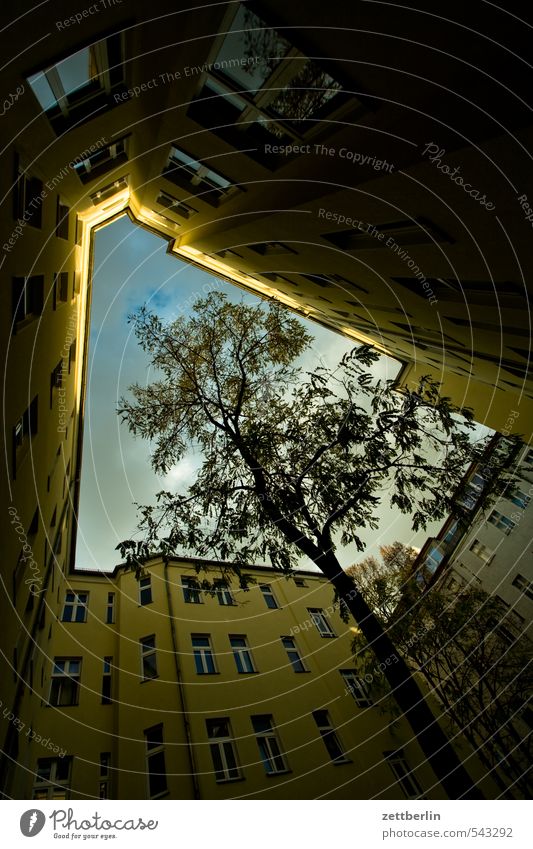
(438, 750)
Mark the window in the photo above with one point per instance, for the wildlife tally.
(148, 658)
(299, 582)
(27, 197)
(62, 215)
(330, 737)
(145, 591)
(271, 249)
(74, 89)
(242, 655)
(191, 590)
(65, 683)
(356, 687)
(106, 681)
(197, 177)
(56, 381)
(403, 775)
(465, 291)
(23, 431)
(75, 607)
(78, 236)
(155, 761)
(105, 763)
(71, 355)
(268, 595)
(224, 595)
(276, 94)
(111, 189)
(269, 745)
(322, 625)
(174, 205)
(528, 458)
(110, 609)
(27, 297)
(524, 586)
(101, 161)
(60, 292)
(482, 551)
(52, 778)
(204, 660)
(418, 231)
(222, 748)
(503, 523)
(293, 654)
(520, 498)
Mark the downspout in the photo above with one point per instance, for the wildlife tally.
(181, 690)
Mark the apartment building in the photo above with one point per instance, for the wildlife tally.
(334, 202)
(160, 688)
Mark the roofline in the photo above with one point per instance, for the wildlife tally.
(203, 561)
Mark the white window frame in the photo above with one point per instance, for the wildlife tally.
(203, 654)
(502, 522)
(269, 746)
(242, 655)
(148, 651)
(223, 743)
(192, 592)
(76, 604)
(110, 609)
(521, 583)
(328, 733)
(403, 774)
(224, 594)
(145, 589)
(479, 549)
(197, 173)
(151, 751)
(52, 787)
(322, 625)
(293, 653)
(356, 687)
(64, 674)
(266, 589)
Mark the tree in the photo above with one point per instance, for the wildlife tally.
(382, 581)
(470, 651)
(293, 463)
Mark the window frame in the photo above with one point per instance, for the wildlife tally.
(296, 662)
(222, 743)
(502, 522)
(153, 751)
(148, 651)
(58, 680)
(266, 590)
(317, 613)
(107, 681)
(203, 655)
(192, 591)
(240, 652)
(268, 740)
(356, 687)
(52, 783)
(77, 605)
(110, 609)
(224, 594)
(330, 737)
(145, 590)
(399, 767)
(27, 299)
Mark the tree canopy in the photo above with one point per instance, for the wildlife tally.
(470, 649)
(294, 463)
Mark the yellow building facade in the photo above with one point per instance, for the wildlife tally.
(343, 216)
(159, 688)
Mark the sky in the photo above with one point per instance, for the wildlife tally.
(131, 268)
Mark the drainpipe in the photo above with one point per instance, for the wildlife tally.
(181, 690)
